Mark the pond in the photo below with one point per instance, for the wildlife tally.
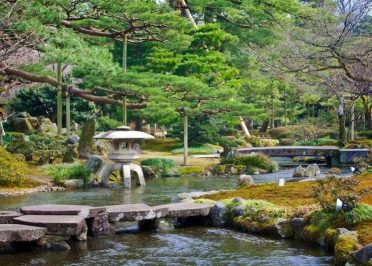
(187, 246)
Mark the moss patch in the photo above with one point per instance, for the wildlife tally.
(345, 245)
(293, 194)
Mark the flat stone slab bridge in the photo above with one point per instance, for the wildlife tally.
(52, 224)
(329, 152)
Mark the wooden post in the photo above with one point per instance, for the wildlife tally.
(59, 99)
(68, 115)
(124, 65)
(125, 112)
(185, 139)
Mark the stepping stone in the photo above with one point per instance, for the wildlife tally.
(18, 232)
(65, 225)
(6, 217)
(134, 212)
(176, 210)
(59, 209)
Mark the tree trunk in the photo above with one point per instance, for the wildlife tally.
(264, 126)
(367, 114)
(285, 111)
(59, 99)
(272, 113)
(244, 127)
(341, 123)
(352, 122)
(185, 140)
(188, 13)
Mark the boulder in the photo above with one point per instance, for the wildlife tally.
(72, 140)
(218, 215)
(245, 180)
(297, 225)
(86, 142)
(94, 163)
(73, 183)
(363, 255)
(46, 126)
(20, 123)
(54, 243)
(334, 171)
(71, 154)
(311, 170)
(149, 172)
(284, 227)
(237, 211)
(164, 224)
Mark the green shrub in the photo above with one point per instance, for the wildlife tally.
(287, 142)
(105, 123)
(279, 132)
(62, 172)
(329, 189)
(258, 160)
(12, 170)
(326, 141)
(324, 219)
(162, 166)
(262, 142)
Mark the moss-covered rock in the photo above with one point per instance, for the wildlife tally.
(313, 234)
(346, 244)
(329, 239)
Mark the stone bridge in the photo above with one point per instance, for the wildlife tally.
(329, 152)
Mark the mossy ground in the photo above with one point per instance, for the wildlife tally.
(297, 195)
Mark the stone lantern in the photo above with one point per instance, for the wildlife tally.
(123, 152)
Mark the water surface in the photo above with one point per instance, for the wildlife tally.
(187, 246)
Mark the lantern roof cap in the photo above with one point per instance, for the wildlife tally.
(123, 132)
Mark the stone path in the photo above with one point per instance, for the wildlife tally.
(67, 225)
(53, 221)
(6, 217)
(18, 232)
(134, 212)
(177, 210)
(59, 209)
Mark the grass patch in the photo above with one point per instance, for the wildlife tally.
(160, 145)
(201, 149)
(62, 172)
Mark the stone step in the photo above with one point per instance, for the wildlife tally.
(134, 212)
(65, 225)
(19, 232)
(60, 209)
(176, 210)
(6, 217)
